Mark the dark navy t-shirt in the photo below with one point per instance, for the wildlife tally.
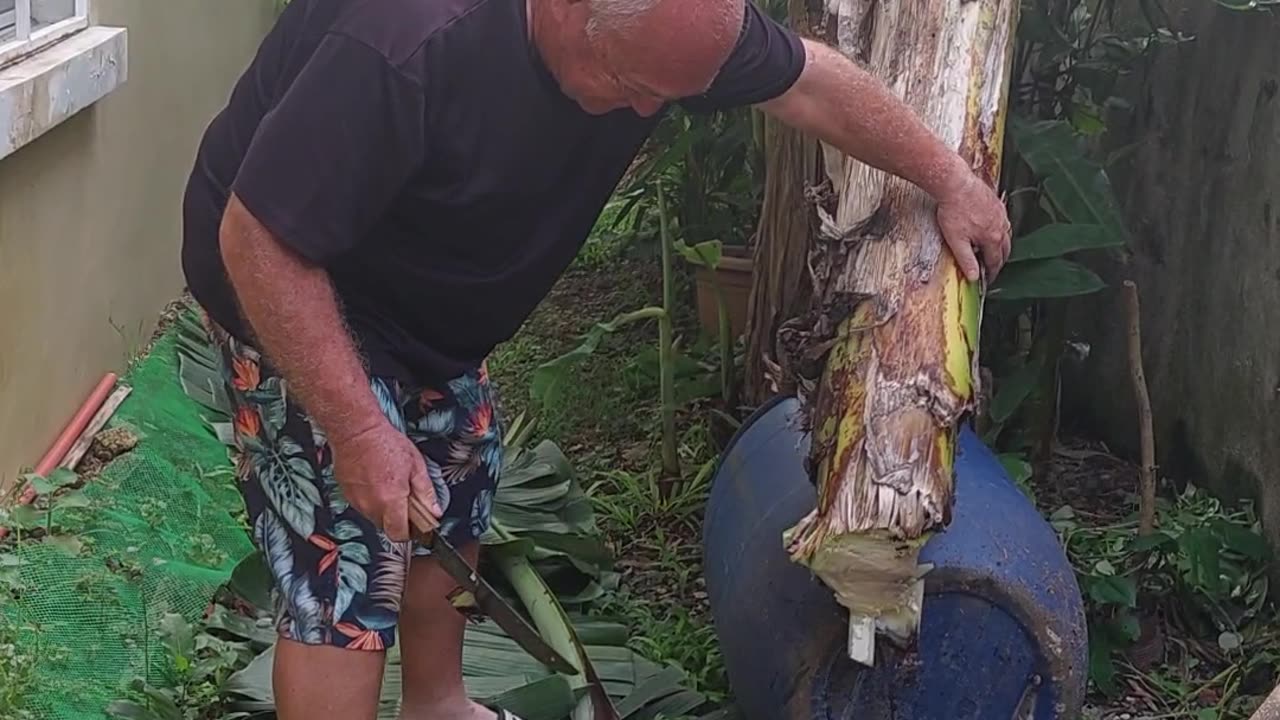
(421, 152)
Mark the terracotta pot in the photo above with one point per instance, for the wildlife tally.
(734, 274)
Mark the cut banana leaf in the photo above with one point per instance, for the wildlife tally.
(198, 366)
(497, 671)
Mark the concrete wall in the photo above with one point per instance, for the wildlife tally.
(90, 213)
(1202, 195)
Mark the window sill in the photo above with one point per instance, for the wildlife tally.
(53, 84)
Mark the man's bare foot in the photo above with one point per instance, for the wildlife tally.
(467, 710)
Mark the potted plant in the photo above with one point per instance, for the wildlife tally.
(730, 277)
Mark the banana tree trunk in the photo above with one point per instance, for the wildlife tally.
(893, 316)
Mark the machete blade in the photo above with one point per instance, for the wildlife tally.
(496, 608)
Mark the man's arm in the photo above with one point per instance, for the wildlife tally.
(293, 311)
(291, 307)
(322, 168)
(842, 104)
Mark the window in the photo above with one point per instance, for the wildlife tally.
(28, 25)
(42, 44)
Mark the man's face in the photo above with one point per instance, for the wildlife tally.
(674, 51)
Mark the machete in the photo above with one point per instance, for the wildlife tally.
(490, 603)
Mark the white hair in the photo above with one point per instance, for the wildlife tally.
(616, 14)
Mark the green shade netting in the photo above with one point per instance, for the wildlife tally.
(162, 533)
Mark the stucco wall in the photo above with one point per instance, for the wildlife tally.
(1202, 196)
(90, 213)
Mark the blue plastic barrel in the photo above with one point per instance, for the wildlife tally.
(1002, 633)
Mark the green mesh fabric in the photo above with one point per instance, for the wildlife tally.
(162, 534)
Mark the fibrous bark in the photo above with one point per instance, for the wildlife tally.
(780, 288)
(887, 355)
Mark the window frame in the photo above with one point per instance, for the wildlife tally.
(26, 42)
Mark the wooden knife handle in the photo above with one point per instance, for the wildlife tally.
(421, 518)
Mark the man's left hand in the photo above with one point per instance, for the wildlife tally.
(974, 222)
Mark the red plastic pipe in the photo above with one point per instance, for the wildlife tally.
(56, 452)
(77, 425)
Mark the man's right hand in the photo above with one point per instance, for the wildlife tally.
(379, 469)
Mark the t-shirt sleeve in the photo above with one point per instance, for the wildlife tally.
(764, 64)
(336, 149)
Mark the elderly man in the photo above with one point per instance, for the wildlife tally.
(392, 188)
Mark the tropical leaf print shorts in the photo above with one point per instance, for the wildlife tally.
(338, 580)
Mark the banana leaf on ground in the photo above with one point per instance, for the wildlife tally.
(498, 671)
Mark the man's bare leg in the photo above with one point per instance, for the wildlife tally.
(321, 681)
(431, 646)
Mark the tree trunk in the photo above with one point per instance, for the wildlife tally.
(780, 285)
(900, 321)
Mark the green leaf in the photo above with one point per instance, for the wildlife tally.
(705, 254)
(1087, 119)
(26, 517)
(1113, 590)
(673, 706)
(200, 380)
(72, 499)
(162, 704)
(549, 376)
(68, 544)
(1011, 391)
(1066, 512)
(585, 548)
(251, 580)
(40, 485)
(1157, 539)
(1201, 547)
(1077, 185)
(1102, 667)
(1037, 27)
(1057, 239)
(1242, 540)
(664, 684)
(594, 632)
(1016, 467)
(549, 698)
(178, 635)
(62, 477)
(1049, 278)
(245, 628)
(10, 572)
(252, 683)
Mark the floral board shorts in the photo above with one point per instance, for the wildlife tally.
(338, 579)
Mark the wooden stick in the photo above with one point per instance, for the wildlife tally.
(1147, 477)
(99, 421)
